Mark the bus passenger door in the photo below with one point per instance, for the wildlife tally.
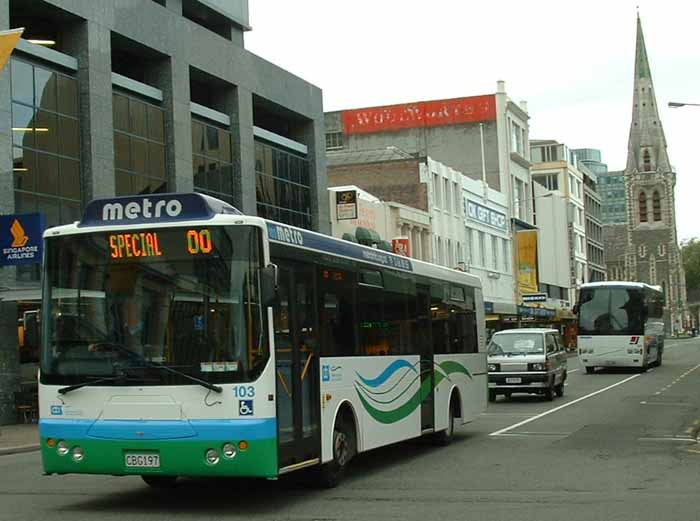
(422, 336)
(296, 350)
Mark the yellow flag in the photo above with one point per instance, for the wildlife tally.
(8, 42)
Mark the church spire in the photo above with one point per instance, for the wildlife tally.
(646, 150)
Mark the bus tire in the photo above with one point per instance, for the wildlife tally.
(344, 448)
(590, 369)
(445, 437)
(160, 482)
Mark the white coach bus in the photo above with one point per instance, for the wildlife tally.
(620, 324)
(181, 338)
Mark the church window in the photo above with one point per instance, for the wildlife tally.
(656, 203)
(642, 250)
(643, 208)
(662, 250)
(647, 161)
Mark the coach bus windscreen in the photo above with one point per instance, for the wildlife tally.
(611, 311)
(120, 305)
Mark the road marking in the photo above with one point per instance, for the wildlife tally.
(684, 440)
(546, 413)
(666, 404)
(573, 370)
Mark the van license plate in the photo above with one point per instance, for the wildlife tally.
(149, 461)
(514, 380)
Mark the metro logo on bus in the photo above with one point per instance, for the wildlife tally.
(154, 208)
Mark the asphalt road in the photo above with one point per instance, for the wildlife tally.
(618, 445)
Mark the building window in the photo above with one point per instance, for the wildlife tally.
(46, 147)
(212, 161)
(506, 256)
(456, 194)
(647, 160)
(446, 195)
(334, 140)
(656, 205)
(469, 246)
(643, 207)
(283, 186)
(436, 190)
(516, 138)
(549, 181)
(139, 146)
(494, 251)
(482, 248)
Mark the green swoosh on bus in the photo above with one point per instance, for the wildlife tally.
(392, 416)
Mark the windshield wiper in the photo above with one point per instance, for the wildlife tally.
(69, 388)
(155, 365)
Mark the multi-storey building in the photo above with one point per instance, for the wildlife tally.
(595, 249)
(146, 96)
(556, 168)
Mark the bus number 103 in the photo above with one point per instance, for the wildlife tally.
(199, 241)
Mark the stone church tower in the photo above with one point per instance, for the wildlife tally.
(652, 253)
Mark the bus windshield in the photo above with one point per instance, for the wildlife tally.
(121, 304)
(612, 311)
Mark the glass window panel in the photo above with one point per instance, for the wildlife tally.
(50, 207)
(213, 176)
(70, 179)
(120, 111)
(67, 96)
(305, 200)
(22, 125)
(141, 185)
(45, 88)
(70, 211)
(156, 128)
(282, 166)
(122, 183)
(46, 130)
(225, 142)
(199, 171)
(212, 135)
(259, 158)
(294, 169)
(280, 193)
(122, 152)
(22, 82)
(304, 172)
(47, 174)
(24, 203)
(24, 169)
(266, 189)
(137, 117)
(156, 160)
(197, 138)
(268, 164)
(139, 156)
(68, 137)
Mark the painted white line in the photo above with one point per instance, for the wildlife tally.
(684, 440)
(573, 370)
(536, 434)
(546, 413)
(666, 404)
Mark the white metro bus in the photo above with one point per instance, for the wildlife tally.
(181, 338)
(620, 324)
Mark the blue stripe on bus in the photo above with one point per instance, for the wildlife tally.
(160, 429)
(387, 373)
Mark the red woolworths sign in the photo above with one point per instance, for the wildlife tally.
(422, 114)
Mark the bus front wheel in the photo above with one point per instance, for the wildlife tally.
(444, 437)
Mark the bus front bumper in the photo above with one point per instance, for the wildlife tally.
(153, 448)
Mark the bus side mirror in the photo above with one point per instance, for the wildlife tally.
(268, 285)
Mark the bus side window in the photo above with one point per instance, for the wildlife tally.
(336, 313)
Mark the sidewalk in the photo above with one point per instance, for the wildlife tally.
(19, 438)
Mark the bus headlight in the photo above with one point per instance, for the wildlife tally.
(78, 454)
(212, 457)
(62, 448)
(229, 450)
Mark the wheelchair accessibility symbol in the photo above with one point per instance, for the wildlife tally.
(245, 407)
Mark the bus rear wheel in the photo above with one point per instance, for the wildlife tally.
(160, 482)
(332, 473)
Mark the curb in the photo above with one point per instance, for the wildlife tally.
(19, 449)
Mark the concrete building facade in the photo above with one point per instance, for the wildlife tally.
(140, 97)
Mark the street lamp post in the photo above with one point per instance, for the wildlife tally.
(677, 104)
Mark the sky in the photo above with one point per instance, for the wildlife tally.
(573, 62)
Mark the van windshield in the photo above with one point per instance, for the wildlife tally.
(516, 344)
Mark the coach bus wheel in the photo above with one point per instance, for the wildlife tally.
(343, 450)
(590, 369)
(160, 482)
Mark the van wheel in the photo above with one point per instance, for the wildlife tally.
(492, 395)
(549, 393)
(659, 359)
(559, 389)
(590, 369)
(444, 438)
(332, 473)
(160, 482)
